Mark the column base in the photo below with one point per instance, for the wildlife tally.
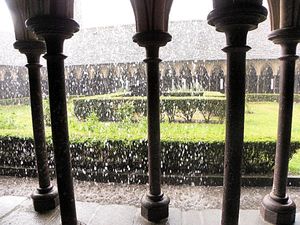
(281, 211)
(43, 202)
(155, 208)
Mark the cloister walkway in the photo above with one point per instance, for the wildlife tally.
(99, 204)
(19, 210)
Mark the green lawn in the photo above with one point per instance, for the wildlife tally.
(260, 124)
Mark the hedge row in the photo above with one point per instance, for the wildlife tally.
(103, 160)
(268, 98)
(15, 101)
(117, 108)
(183, 93)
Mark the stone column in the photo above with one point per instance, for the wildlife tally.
(277, 207)
(155, 205)
(235, 22)
(55, 30)
(45, 197)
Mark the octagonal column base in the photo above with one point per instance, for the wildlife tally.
(43, 202)
(281, 211)
(155, 209)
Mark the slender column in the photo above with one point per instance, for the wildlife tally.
(235, 108)
(235, 22)
(154, 159)
(55, 31)
(155, 205)
(45, 197)
(277, 207)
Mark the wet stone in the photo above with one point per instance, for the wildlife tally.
(10, 203)
(19, 210)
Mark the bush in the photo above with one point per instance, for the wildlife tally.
(15, 101)
(183, 93)
(114, 109)
(102, 160)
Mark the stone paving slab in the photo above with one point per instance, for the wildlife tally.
(19, 211)
(9, 203)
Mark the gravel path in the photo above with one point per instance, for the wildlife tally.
(185, 197)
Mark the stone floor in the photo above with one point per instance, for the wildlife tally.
(15, 210)
(185, 197)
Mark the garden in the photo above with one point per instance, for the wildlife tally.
(108, 136)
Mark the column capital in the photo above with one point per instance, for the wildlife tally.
(32, 49)
(50, 25)
(288, 38)
(30, 46)
(153, 38)
(285, 35)
(248, 16)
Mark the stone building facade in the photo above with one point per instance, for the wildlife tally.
(93, 79)
(106, 60)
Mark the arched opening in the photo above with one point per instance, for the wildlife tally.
(85, 83)
(123, 77)
(168, 79)
(138, 86)
(96, 81)
(7, 85)
(266, 80)
(112, 84)
(251, 79)
(276, 81)
(186, 77)
(202, 78)
(217, 80)
(21, 84)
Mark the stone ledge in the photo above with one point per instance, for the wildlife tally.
(19, 210)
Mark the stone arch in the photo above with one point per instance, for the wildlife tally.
(276, 77)
(91, 70)
(21, 83)
(202, 78)
(185, 75)
(266, 80)
(139, 85)
(7, 84)
(85, 83)
(217, 79)
(72, 81)
(251, 79)
(168, 78)
(96, 81)
(123, 76)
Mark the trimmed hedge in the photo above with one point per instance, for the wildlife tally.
(183, 93)
(268, 98)
(110, 109)
(107, 160)
(15, 101)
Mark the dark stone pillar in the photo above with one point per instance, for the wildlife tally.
(155, 205)
(235, 22)
(55, 31)
(277, 207)
(45, 197)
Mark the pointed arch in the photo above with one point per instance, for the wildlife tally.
(168, 79)
(251, 79)
(202, 78)
(266, 80)
(186, 77)
(217, 79)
